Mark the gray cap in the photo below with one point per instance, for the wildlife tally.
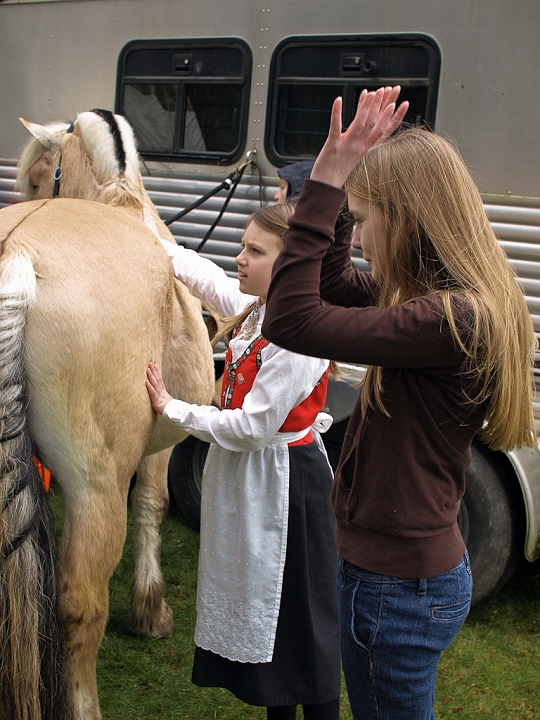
(295, 174)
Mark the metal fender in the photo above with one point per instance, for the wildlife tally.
(526, 464)
(343, 393)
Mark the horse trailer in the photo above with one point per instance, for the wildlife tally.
(222, 94)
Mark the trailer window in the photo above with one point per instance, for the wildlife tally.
(308, 73)
(186, 100)
(302, 119)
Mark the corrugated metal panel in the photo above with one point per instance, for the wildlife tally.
(171, 195)
(517, 227)
(8, 173)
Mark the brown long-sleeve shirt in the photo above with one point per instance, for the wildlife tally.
(400, 478)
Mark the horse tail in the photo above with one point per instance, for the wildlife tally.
(33, 672)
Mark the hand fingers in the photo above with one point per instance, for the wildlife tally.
(375, 111)
(379, 130)
(335, 120)
(153, 376)
(386, 95)
(391, 94)
(398, 116)
(393, 122)
(365, 109)
(381, 99)
(373, 121)
(368, 112)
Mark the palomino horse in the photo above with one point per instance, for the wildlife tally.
(87, 299)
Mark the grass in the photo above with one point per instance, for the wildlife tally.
(490, 671)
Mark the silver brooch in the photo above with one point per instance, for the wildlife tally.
(250, 323)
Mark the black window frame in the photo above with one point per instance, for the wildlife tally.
(350, 78)
(188, 48)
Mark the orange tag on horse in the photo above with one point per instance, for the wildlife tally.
(43, 473)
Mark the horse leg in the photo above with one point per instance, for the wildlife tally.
(93, 535)
(150, 614)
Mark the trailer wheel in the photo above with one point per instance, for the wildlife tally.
(185, 475)
(491, 522)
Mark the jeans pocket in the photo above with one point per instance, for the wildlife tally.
(451, 613)
(365, 608)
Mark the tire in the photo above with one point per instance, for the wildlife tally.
(185, 475)
(491, 521)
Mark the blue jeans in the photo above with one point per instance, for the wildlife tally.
(392, 634)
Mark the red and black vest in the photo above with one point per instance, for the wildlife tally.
(240, 375)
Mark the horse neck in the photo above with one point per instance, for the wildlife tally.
(120, 192)
(162, 229)
(79, 179)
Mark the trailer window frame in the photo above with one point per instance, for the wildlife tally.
(317, 68)
(169, 90)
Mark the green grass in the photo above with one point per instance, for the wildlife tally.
(491, 670)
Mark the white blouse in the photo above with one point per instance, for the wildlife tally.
(245, 488)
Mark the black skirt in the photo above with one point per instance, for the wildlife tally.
(305, 667)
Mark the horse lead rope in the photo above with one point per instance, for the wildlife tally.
(230, 183)
(234, 178)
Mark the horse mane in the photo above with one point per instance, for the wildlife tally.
(112, 149)
(111, 144)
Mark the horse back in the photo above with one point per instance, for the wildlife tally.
(103, 311)
(14, 215)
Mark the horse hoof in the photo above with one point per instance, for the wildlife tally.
(167, 633)
(146, 629)
(161, 627)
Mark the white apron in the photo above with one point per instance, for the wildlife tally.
(244, 502)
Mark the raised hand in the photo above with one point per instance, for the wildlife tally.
(376, 119)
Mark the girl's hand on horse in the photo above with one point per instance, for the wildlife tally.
(376, 119)
(156, 389)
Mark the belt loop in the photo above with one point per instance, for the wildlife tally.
(422, 586)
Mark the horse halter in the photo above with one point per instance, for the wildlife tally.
(58, 172)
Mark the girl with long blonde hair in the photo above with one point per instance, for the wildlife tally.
(267, 621)
(443, 328)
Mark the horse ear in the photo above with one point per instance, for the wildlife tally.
(46, 136)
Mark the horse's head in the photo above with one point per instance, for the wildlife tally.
(35, 178)
(95, 158)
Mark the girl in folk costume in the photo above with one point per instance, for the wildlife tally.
(267, 623)
(445, 332)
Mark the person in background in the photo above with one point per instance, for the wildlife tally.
(267, 622)
(291, 179)
(445, 333)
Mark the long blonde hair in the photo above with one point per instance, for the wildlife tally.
(439, 242)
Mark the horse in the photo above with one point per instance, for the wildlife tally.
(87, 300)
